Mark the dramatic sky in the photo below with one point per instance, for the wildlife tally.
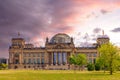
(37, 19)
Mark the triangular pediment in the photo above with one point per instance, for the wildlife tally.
(59, 46)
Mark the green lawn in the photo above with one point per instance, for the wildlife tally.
(56, 75)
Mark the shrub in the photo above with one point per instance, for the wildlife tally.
(97, 66)
(3, 66)
(90, 67)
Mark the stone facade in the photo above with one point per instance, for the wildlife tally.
(55, 54)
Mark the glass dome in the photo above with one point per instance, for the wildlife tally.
(60, 38)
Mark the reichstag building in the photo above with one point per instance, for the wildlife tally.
(55, 54)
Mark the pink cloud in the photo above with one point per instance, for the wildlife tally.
(76, 14)
(82, 8)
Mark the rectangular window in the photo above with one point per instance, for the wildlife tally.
(25, 61)
(90, 60)
(24, 55)
(29, 61)
(38, 54)
(38, 60)
(42, 61)
(95, 55)
(90, 54)
(33, 54)
(29, 54)
(42, 55)
(34, 61)
(94, 60)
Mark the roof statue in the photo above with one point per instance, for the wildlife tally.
(103, 35)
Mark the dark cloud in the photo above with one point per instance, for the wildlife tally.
(92, 14)
(103, 11)
(95, 15)
(32, 18)
(96, 30)
(86, 37)
(116, 30)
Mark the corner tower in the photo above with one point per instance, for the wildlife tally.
(102, 39)
(15, 52)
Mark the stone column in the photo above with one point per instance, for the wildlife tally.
(20, 61)
(58, 54)
(11, 58)
(52, 58)
(66, 57)
(60, 58)
(56, 58)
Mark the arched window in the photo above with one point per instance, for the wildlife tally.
(16, 55)
(15, 67)
(24, 66)
(16, 61)
(28, 66)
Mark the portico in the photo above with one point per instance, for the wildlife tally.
(58, 58)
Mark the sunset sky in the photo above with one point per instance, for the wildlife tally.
(38, 19)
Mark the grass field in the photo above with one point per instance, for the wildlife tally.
(56, 75)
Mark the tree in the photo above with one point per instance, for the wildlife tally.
(72, 60)
(98, 64)
(79, 60)
(101, 62)
(109, 56)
